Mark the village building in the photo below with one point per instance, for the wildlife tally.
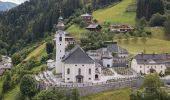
(110, 56)
(94, 27)
(121, 28)
(74, 66)
(87, 18)
(5, 64)
(69, 40)
(149, 63)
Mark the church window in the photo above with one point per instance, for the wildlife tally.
(68, 71)
(60, 38)
(89, 78)
(89, 71)
(79, 71)
(60, 44)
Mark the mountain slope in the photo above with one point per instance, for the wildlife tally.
(6, 6)
(117, 13)
(30, 21)
(15, 1)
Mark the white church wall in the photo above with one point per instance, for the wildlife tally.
(84, 72)
(107, 62)
(60, 49)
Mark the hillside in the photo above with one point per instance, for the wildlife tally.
(117, 13)
(122, 94)
(6, 6)
(38, 26)
(152, 45)
(32, 21)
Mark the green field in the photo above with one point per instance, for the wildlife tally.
(116, 13)
(37, 53)
(76, 31)
(157, 32)
(152, 45)
(11, 95)
(122, 94)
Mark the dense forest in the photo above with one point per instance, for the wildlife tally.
(29, 21)
(155, 12)
(35, 19)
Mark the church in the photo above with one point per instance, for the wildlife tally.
(75, 66)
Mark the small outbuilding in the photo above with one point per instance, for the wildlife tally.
(94, 27)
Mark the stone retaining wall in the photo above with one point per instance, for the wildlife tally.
(87, 90)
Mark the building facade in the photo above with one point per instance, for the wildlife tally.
(149, 63)
(87, 18)
(121, 28)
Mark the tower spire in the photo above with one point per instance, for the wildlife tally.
(60, 25)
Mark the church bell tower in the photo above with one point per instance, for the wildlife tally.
(60, 44)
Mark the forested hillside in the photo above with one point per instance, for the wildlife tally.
(29, 21)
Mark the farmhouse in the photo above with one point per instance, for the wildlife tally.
(110, 56)
(94, 27)
(74, 66)
(149, 63)
(121, 28)
(69, 39)
(87, 18)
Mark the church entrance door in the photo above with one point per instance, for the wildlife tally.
(79, 79)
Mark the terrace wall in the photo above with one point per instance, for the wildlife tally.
(87, 89)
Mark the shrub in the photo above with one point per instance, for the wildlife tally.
(157, 20)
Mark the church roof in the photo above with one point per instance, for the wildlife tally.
(148, 58)
(117, 49)
(77, 56)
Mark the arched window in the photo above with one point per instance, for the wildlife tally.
(79, 71)
(89, 70)
(60, 38)
(68, 71)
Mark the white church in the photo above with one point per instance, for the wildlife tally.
(75, 66)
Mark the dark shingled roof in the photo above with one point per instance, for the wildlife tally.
(93, 26)
(77, 56)
(146, 58)
(117, 49)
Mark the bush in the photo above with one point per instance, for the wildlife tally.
(7, 83)
(167, 25)
(28, 86)
(49, 47)
(16, 59)
(157, 20)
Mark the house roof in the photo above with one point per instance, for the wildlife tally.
(107, 55)
(77, 56)
(115, 48)
(50, 61)
(122, 26)
(86, 14)
(150, 58)
(93, 26)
